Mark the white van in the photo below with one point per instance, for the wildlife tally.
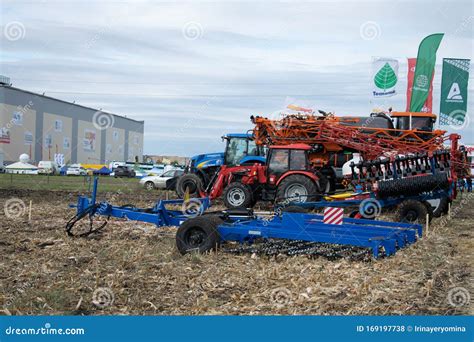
(46, 167)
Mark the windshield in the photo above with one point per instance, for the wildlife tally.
(423, 124)
(278, 161)
(420, 123)
(169, 173)
(236, 150)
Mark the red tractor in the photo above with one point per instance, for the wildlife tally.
(287, 176)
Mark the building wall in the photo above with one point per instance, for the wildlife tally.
(57, 135)
(17, 131)
(89, 143)
(115, 144)
(135, 146)
(40, 114)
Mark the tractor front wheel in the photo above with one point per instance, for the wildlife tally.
(238, 195)
(297, 188)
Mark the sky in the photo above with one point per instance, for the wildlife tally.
(195, 70)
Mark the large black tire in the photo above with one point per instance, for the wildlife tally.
(294, 185)
(411, 211)
(429, 209)
(440, 206)
(190, 181)
(326, 183)
(238, 195)
(198, 234)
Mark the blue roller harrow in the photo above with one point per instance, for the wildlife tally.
(201, 231)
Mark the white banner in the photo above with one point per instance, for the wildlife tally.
(384, 77)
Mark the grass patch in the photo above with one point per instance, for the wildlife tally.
(68, 183)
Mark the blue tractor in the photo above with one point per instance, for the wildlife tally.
(203, 168)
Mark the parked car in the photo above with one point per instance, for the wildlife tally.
(124, 171)
(46, 167)
(166, 181)
(76, 170)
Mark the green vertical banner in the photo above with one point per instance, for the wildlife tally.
(425, 63)
(454, 82)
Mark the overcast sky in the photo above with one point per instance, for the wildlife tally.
(194, 70)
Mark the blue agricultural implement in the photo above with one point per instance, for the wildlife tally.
(203, 231)
(160, 214)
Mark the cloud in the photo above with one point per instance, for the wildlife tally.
(132, 58)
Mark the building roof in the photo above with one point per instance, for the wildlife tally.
(66, 102)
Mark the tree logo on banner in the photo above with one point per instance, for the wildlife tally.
(454, 94)
(422, 81)
(385, 78)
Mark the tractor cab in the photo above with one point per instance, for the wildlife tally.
(241, 149)
(284, 159)
(409, 121)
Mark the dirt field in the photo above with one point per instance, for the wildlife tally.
(133, 268)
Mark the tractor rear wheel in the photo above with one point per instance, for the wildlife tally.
(298, 188)
(191, 182)
(198, 234)
(238, 195)
(411, 211)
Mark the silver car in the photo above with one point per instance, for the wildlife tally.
(165, 181)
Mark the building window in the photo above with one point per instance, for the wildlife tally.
(66, 143)
(4, 135)
(48, 141)
(28, 138)
(18, 118)
(115, 136)
(58, 126)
